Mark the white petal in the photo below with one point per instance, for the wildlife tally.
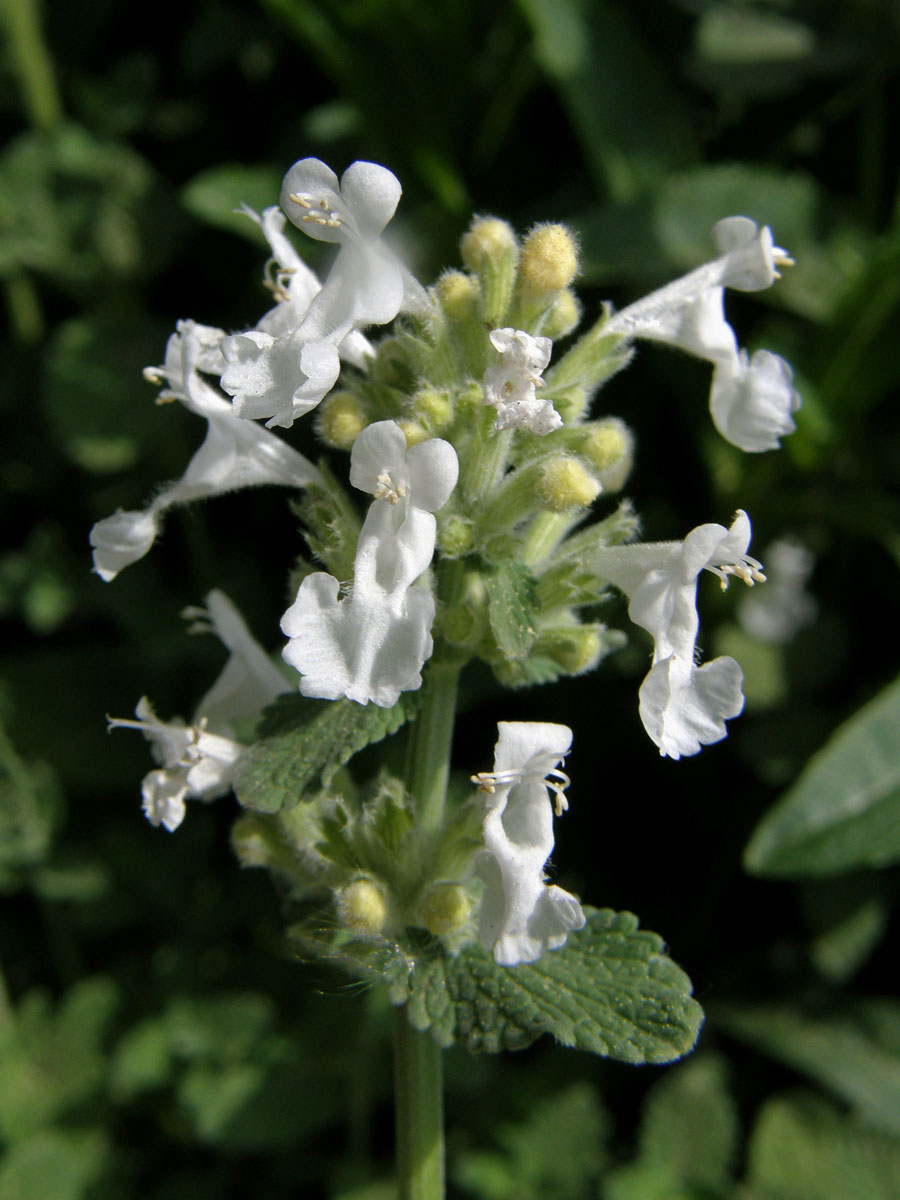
(684, 707)
(121, 540)
(752, 401)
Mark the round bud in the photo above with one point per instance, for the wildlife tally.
(577, 651)
(549, 260)
(563, 317)
(445, 908)
(362, 908)
(458, 295)
(432, 407)
(487, 237)
(609, 447)
(340, 419)
(565, 483)
(413, 431)
(456, 536)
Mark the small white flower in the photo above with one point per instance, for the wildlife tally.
(371, 645)
(752, 399)
(235, 453)
(683, 706)
(198, 761)
(521, 914)
(510, 385)
(286, 365)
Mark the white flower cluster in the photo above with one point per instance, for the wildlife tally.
(367, 639)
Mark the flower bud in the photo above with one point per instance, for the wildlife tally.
(456, 536)
(487, 237)
(565, 483)
(362, 907)
(609, 448)
(576, 650)
(563, 316)
(445, 908)
(413, 431)
(549, 260)
(458, 295)
(433, 408)
(340, 419)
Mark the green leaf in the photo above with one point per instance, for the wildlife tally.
(512, 608)
(216, 195)
(847, 1054)
(30, 808)
(303, 740)
(54, 1164)
(610, 990)
(844, 810)
(802, 1147)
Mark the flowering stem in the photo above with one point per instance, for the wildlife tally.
(428, 756)
(419, 1104)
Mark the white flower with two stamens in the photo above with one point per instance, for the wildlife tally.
(371, 645)
(521, 914)
(683, 706)
(510, 385)
(198, 761)
(286, 365)
(752, 398)
(235, 454)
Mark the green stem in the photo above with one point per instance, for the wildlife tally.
(32, 62)
(428, 756)
(420, 1117)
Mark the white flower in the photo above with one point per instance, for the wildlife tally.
(752, 399)
(683, 706)
(521, 914)
(286, 365)
(781, 610)
(372, 644)
(235, 453)
(510, 386)
(198, 761)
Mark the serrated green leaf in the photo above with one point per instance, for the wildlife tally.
(610, 990)
(303, 740)
(512, 608)
(844, 1053)
(844, 810)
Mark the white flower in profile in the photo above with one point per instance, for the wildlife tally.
(198, 761)
(371, 645)
(752, 399)
(521, 914)
(235, 453)
(683, 706)
(510, 385)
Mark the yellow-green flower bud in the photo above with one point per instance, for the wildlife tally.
(413, 431)
(563, 317)
(609, 447)
(576, 650)
(340, 419)
(432, 408)
(549, 260)
(458, 295)
(456, 536)
(470, 400)
(362, 907)
(565, 483)
(445, 908)
(487, 237)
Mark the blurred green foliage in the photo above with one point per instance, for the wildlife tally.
(155, 1041)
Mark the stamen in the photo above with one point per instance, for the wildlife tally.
(555, 779)
(327, 217)
(748, 573)
(387, 489)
